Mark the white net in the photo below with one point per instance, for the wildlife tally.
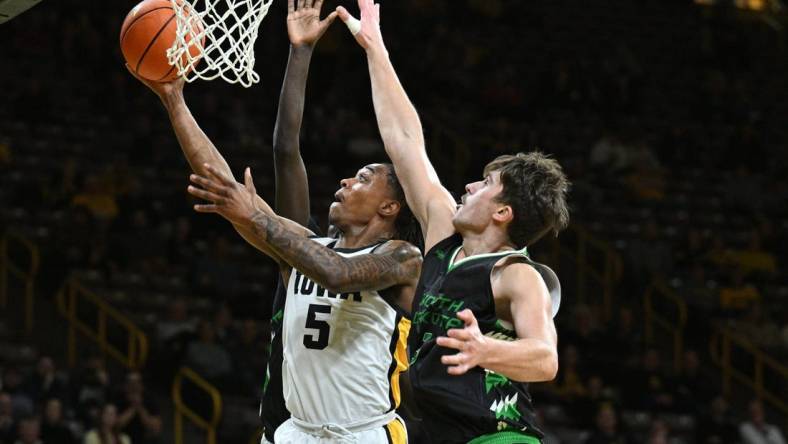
(215, 38)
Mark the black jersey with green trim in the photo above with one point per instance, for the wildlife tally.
(272, 405)
(459, 408)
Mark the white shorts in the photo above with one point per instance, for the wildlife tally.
(393, 432)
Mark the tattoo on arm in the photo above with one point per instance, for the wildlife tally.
(400, 263)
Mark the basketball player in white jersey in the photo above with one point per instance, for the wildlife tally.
(344, 333)
(344, 329)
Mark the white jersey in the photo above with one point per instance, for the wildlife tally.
(343, 353)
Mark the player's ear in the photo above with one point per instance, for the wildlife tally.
(503, 214)
(389, 208)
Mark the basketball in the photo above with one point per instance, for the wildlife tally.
(147, 33)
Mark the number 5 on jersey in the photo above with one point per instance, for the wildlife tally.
(323, 328)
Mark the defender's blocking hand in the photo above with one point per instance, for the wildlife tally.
(304, 26)
(367, 29)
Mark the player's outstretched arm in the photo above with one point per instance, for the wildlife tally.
(304, 28)
(531, 358)
(401, 130)
(195, 144)
(395, 263)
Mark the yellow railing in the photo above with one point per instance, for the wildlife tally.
(8, 267)
(672, 326)
(722, 345)
(595, 262)
(71, 297)
(209, 425)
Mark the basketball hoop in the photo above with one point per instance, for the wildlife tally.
(229, 29)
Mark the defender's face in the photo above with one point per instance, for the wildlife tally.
(358, 199)
(479, 204)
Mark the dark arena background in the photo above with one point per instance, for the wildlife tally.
(669, 116)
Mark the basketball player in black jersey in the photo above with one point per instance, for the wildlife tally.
(483, 314)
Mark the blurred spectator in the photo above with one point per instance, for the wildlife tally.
(607, 429)
(7, 423)
(647, 256)
(106, 430)
(223, 323)
(716, 426)
(207, 357)
(91, 389)
(624, 340)
(54, 428)
(585, 407)
(583, 331)
(660, 433)
(569, 382)
(609, 155)
(29, 431)
(45, 383)
(692, 386)
(138, 414)
(249, 356)
(177, 324)
(756, 430)
(21, 402)
(650, 389)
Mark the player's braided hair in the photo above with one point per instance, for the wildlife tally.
(406, 225)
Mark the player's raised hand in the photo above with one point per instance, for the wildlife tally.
(162, 89)
(367, 29)
(228, 198)
(469, 341)
(304, 26)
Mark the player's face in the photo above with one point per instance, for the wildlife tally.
(478, 204)
(359, 197)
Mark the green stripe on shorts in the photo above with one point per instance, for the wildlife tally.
(506, 437)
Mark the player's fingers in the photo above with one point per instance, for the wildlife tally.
(459, 333)
(467, 317)
(329, 20)
(457, 370)
(343, 13)
(319, 5)
(208, 184)
(248, 181)
(219, 175)
(455, 359)
(206, 208)
(205, 195)
(307, 3)
(450, 343)
(352, 23)
(290, 6)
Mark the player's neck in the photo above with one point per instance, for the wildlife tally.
(363, 235)
(483, 243)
